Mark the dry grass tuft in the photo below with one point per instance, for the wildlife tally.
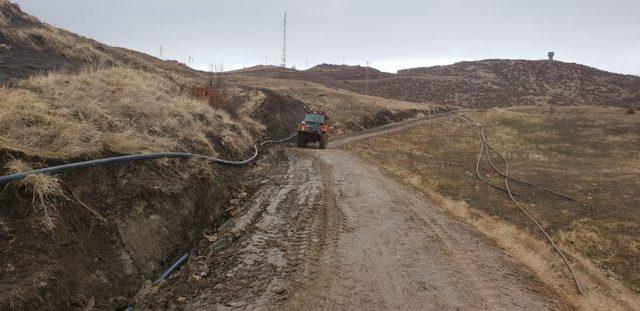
(45, 189)
(631, 111)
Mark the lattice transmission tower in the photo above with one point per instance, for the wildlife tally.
(284, 41)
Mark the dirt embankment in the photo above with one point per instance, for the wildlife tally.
(348, 111)
(383, 117)
(280, 113)
(115, 227)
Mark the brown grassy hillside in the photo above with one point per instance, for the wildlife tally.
(515, 82)
(485, 83)
(112, 111)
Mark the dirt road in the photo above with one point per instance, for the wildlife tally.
(398, 252)
(332, 232)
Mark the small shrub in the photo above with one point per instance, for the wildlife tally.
(215, 98)
(631, 111)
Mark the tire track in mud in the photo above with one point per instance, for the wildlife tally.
(322, 264)
(263, 255)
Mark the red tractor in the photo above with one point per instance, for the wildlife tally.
(314, 128)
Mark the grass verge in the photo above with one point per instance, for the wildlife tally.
(591, 154)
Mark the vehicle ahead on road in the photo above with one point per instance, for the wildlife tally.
(314, 128)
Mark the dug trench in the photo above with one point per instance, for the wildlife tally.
(120, 226)
(117, 227)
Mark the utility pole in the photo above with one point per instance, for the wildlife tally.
(161, 52)
(366, 86)
(306, 64)
(284, 41)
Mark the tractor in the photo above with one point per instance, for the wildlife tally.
(314, 128)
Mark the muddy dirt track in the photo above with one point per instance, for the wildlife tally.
(328, 231)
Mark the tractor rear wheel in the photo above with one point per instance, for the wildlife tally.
(324, 141)
(302, 142)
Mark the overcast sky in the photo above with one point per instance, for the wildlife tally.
(391, 34)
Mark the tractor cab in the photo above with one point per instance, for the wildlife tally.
(313, 128)
(313, 121)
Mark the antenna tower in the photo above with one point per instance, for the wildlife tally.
(284, 41)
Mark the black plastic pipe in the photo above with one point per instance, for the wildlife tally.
(136, 157)
(121, 159)
(173, 268)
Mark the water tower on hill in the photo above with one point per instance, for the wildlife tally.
(550, 54)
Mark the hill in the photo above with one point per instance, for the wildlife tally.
(485, 83)
(29, 46)
(335, 76)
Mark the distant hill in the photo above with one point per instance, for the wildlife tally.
(484, 83)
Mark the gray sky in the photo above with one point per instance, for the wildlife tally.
(392, 34)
